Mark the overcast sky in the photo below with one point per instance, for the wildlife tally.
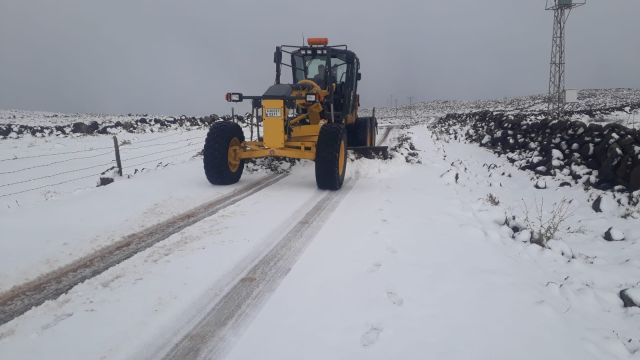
(181, 56)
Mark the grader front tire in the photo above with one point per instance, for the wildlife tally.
(221, 163)
(331, 157)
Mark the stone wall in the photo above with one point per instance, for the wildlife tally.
(596, 155)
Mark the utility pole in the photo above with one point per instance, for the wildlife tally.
(561, 11)
(411, 106)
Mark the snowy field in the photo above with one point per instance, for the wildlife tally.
(44, 118)
(621, 106)
(429, 255)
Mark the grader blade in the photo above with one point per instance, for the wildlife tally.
(371, 152)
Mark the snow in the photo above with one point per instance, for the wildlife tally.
(87, 221)
(557, 154)
(413, 262)
(523, 236)
(541, 184)
(634, 295)
(560, 247)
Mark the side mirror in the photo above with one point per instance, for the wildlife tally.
(277, 58)
(277, 55)
(359, 76)
(233, 97)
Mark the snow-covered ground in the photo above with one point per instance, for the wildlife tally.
(58, 166)
(414, 259)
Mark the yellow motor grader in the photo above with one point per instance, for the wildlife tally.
(314, 118)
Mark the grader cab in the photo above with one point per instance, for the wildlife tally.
(314, 118)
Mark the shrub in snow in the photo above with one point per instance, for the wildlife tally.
(630, 297)
(406, 149)
(492, 200)
(613, 235)
(546, 227)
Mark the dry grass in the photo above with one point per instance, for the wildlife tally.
(492, 200)
(546, 225)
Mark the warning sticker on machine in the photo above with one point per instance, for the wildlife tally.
(273, 112)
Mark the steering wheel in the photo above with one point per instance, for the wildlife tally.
(314, 86)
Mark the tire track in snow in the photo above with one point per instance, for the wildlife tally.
(20, 299)
(210, 337)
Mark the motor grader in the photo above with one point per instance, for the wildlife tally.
(314, 118)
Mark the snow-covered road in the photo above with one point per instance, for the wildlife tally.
(407, 261)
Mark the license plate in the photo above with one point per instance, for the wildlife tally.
(273, 112)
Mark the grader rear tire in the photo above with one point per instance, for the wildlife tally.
(221, 165)
(331, 157)
(363, 130)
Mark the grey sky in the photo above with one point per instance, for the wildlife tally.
(180, 57)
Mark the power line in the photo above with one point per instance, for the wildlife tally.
(44, 186)
(56, 154)
(88, 176)
(101, 148)
(162, 158)
(158, 152)
(158, 138)
(166, 143)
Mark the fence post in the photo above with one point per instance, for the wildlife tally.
(233, 115)
(117, 148)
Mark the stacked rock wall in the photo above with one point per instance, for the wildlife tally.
(139, 125)
(610, 153)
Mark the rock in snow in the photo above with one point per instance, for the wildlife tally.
(596, 204)
(630, 297)
(557, 155)
(540, 184)
(613, 235)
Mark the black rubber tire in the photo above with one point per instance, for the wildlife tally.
(363, 130)
(351, 135)
(216, 150)
(331, 137)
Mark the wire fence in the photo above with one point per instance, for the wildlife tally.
(127, 152)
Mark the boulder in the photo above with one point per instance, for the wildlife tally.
(630, 297)
(613, 235)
